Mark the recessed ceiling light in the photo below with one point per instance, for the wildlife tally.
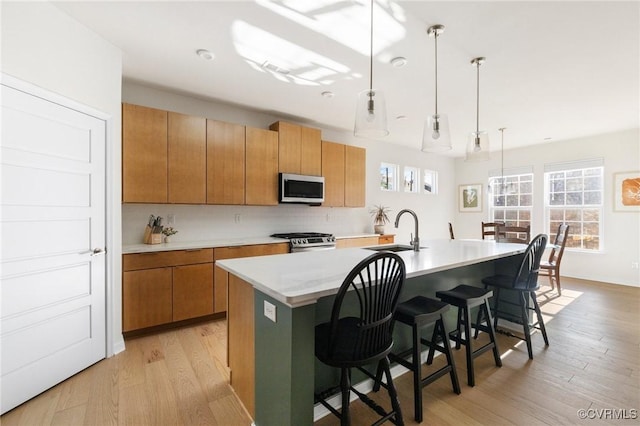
(547, 139)
(327, 94)
(205, 54)
(401, 117)
(399, 62)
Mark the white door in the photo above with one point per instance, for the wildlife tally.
(52, 224)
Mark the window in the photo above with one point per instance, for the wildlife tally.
(430, 182)
(573, 195)
(388, 177)
(511, 199)
(411, 179)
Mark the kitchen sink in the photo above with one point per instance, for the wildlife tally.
(394, 248)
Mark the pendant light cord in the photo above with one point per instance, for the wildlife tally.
(371, 54)
(478, 100)
(436, 52)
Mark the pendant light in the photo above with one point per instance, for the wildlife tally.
(478, 143)
(371, 111)
(436, 136)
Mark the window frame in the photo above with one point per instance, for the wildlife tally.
(494, 186)
(551, 221)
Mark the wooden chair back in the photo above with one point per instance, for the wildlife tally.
(514, 234)
(527, 276)
(561, 240)
(451, 232)
(489, 229)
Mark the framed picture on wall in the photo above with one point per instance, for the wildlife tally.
(470, 198)
(626, 191)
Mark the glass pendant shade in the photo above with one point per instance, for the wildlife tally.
(371, 115)
(478, 146)
(436, 136)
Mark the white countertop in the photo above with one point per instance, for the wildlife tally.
(299, 279)
(190, 245)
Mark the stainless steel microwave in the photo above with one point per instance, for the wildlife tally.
(301, 189)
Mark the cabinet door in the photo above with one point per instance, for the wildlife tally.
(310, 151)
(187, 148)
(261, 167)
(146, 298)
(334, 173)
(225, 163)
(192, 291)
(144, 154)
(355, 180)
(289, 145)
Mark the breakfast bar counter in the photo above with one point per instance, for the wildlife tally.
(274, 303)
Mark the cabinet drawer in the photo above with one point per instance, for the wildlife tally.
(132, 262)
(249, 251)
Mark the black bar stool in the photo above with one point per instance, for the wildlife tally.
(419, 312)
(466, 297)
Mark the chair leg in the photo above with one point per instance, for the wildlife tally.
(417, 374)
(524, 317)
(556, 272)
(345, 386)
(378, 380)
(543, 329)
(495, 308)
(550, 275)
(447, 352)
(459, 328)
(492, 333)
(468, 349)
(393, 395)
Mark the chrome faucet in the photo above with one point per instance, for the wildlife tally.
(415, 241)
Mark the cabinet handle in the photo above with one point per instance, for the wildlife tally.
(198, 249)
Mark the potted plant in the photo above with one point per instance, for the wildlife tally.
(380, 218)
(168, 231)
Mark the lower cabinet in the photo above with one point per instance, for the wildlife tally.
(221, 277)
(364, 241)
(163, 287)
(169, 286)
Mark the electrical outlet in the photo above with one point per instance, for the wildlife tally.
(270, 311)
(171, 219)
(236, 218)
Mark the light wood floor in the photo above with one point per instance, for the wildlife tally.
(178, 377)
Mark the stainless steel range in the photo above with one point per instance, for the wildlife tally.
(308, 241)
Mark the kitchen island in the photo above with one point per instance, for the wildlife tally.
(276, 301)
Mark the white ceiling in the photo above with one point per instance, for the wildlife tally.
(556, 70)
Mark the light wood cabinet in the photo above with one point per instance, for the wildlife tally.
(299, 149)
(225, 163)
(221, 276)
(163, 287)
(355, 176)
(386, 239)
(193, 291)
(261, 175)
(333, 170)
(187, 160)
(146, 298)
(144, 154)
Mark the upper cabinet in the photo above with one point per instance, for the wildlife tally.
(299, 149)
(169, 157)
(144, 154)
(333, 170)
(187, 159)
(225, 163)
(261, 174)
(355, 160)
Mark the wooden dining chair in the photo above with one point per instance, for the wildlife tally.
(489, 229)
(551, 267)
(514, 234)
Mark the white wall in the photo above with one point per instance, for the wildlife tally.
(204, 222)
(45, 47)
(621, 230)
